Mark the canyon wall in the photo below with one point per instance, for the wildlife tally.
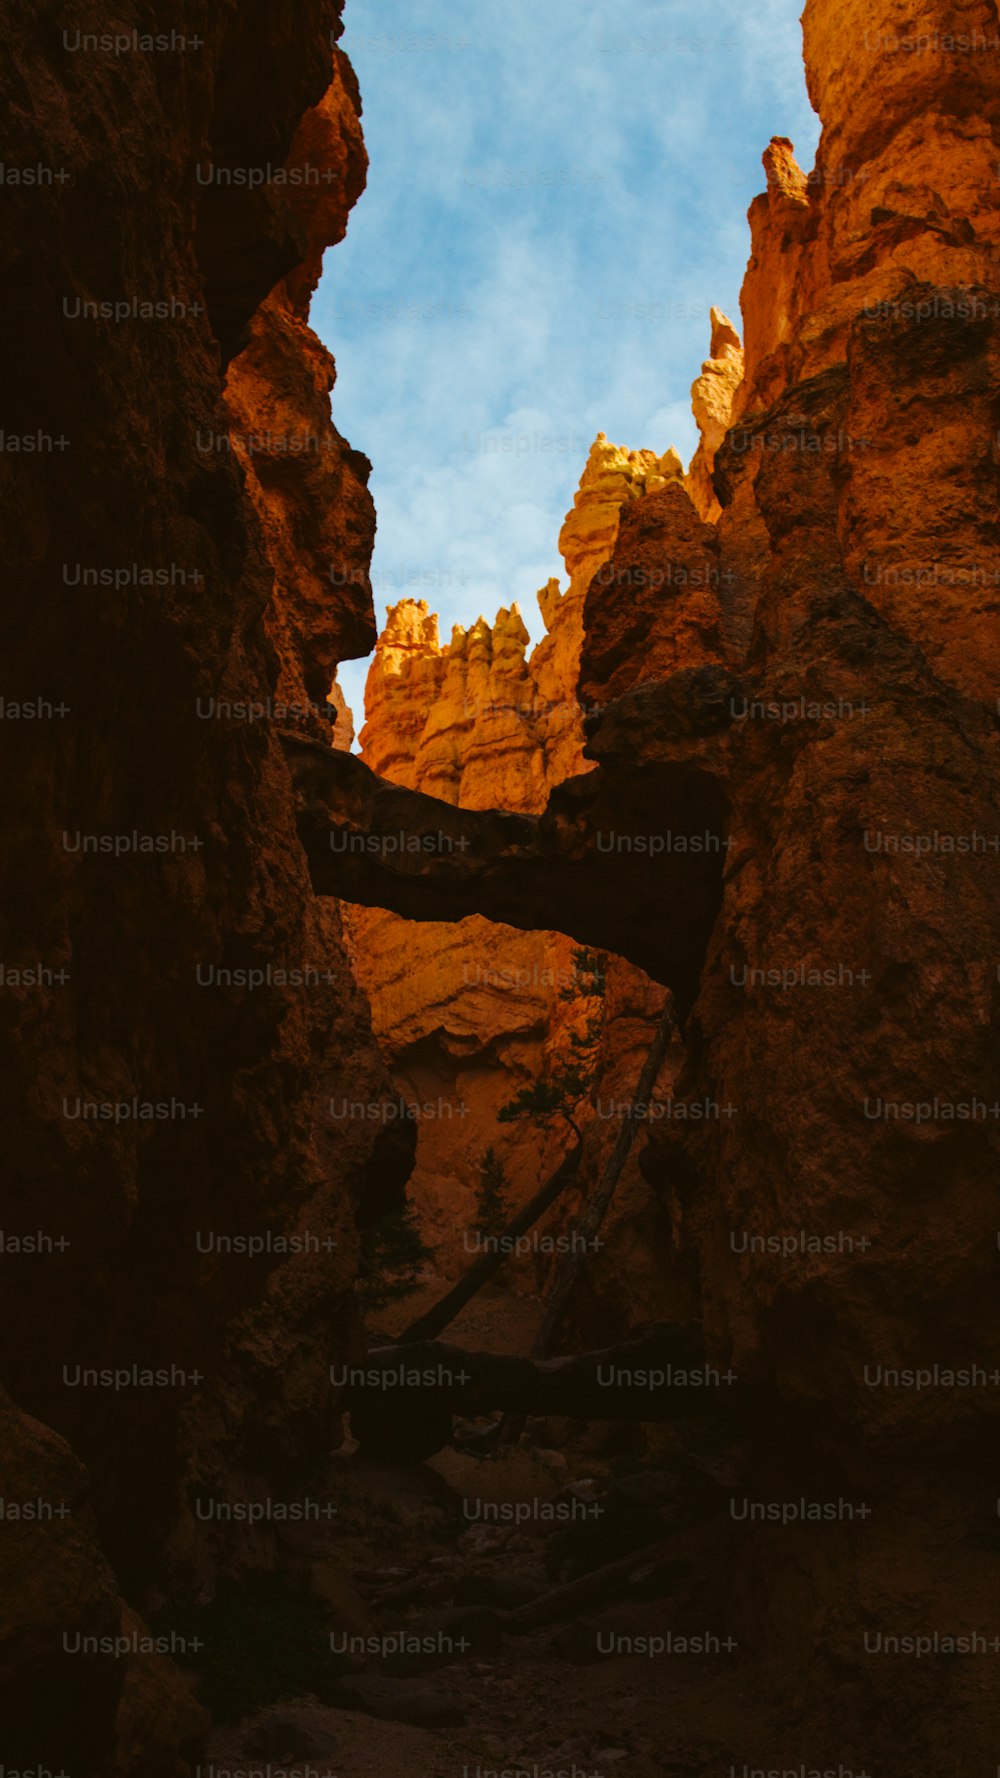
(858, 498)
(469, 1013)
(815, 669)
(177, 1009)
(786, 670)
(805, 683)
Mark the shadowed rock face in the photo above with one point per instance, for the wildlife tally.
(808, 676)
(590, 853)
(56, 1704)
(834, 1205)
(822, 662)
(468, 1013)
(835, 746)
(813, 676)
(250, 583)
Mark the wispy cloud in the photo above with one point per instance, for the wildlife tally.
(555, 201)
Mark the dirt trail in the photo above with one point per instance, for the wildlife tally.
(441, 1555)
(438, 1557)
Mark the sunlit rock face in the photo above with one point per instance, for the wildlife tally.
(308, 487)
(712, 396)
(820, 657)
(814, 664)
(818, 660)
(882, 264)
(462, 1010)
(856, 592)
(467, 1013)
(192, 966)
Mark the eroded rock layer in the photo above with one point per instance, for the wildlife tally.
(813, 672)
(883, 262)
(176, 1007)
(469, 1013)
(786, 809)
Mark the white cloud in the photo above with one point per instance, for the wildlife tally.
(552, 210)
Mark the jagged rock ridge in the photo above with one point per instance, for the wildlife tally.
(467, 1013)
(169, 1063)
(819, 667)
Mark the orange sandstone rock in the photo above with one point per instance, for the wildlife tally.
(147, 994)
(883, 261)
(469, 1012)
(462, 1012)
(712, 395)
(309, 488)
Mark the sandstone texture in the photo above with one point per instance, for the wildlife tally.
(754, 761)
(170, 592)
(813, 674)
(847, 782)
(310, 490)
(468, 1013)
(883, 260)
(712, 396)
(462, 1010)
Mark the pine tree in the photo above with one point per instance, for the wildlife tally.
(560, 1090)
(393, 1252)
(492, 1208)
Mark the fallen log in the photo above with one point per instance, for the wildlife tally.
(402, 1397)
(596, 1207)
(594, 1211)
(576, 1595)
(442, 1314)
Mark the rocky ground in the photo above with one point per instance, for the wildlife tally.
(527, 1555)
(791, 676)
(607, 1546)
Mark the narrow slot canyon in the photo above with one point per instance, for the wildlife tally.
(499, 1240)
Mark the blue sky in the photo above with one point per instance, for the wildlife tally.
(555, 201)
